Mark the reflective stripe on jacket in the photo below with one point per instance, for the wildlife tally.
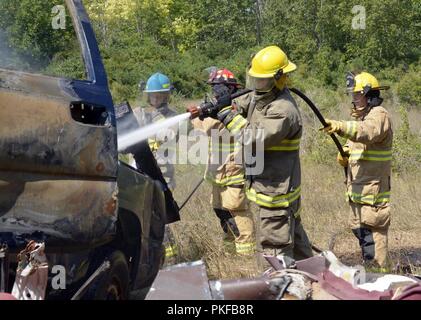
(221, 168)
(277, 113)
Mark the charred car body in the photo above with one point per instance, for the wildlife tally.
(61, 182)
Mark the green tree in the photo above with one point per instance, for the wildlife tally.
(27, 29)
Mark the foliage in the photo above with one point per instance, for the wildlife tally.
(181, 38)
(406, 146)
(31, 36)
(409, 87)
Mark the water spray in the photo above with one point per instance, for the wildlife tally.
(135, 136)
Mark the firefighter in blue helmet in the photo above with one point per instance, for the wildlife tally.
(158, 89)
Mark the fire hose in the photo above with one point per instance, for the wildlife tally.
(323, 122)
(206, 109)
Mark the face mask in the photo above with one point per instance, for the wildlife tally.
(260, 85)
(157, 99)
(358, 112)
(359, 105)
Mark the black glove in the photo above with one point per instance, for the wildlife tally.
(227, 221)
(221, 99)
(223, 96)
(226, 115)
(220, 90)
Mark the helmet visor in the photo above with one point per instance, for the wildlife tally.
(357, 98)
(156, 99)
(260, 84)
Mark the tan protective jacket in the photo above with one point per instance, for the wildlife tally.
(279, 185)
(221, 168)
(369, 168)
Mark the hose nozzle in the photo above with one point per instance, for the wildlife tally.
(195, 111)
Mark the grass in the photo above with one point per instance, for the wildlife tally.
(324, 213)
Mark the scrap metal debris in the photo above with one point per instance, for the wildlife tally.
(32, 273)
(322, 277)
(186, 281)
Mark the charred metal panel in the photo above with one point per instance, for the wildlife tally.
(62, 210)
(187, 281)
(142, 196)
(38, 133)
(57, 170)
(90, 51)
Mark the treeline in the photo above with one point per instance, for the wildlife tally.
(325, 38)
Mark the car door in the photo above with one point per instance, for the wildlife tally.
(58, 148)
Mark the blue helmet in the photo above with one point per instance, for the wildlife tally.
(158, 82)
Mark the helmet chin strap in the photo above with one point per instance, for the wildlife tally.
(360, 112)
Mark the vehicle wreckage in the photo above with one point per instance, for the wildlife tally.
(64, 196)
(322, 277)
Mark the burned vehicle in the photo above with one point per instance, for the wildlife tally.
(61, 183)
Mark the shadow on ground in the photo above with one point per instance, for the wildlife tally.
(404, 260)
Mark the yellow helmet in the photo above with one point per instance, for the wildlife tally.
(269, 61)
(363, 83)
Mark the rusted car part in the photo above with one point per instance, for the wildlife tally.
(314, 279)
(32, 273)
(60, 180)
(4, 267)
(343, 290)
(250, 289)
(189, 281)
(412, 292)
(102, 268)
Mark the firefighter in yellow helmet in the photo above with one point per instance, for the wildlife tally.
(227, 178)
(369, 147)
(270, 113)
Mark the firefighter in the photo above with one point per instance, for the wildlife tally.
(158, 90)
(227, 178)
(271, 114)
(369, 149)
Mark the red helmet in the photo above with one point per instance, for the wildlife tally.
(222, 76)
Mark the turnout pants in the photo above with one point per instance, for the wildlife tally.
(231, 206)
(170, 246)
(281, 232)
(370, 224)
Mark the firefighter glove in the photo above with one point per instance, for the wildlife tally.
(211, 109)
(343, 161)
(333, 126)
(227, 222)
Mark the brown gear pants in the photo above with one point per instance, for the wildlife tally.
(234, 200)
(281, 232)
(370, 225)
